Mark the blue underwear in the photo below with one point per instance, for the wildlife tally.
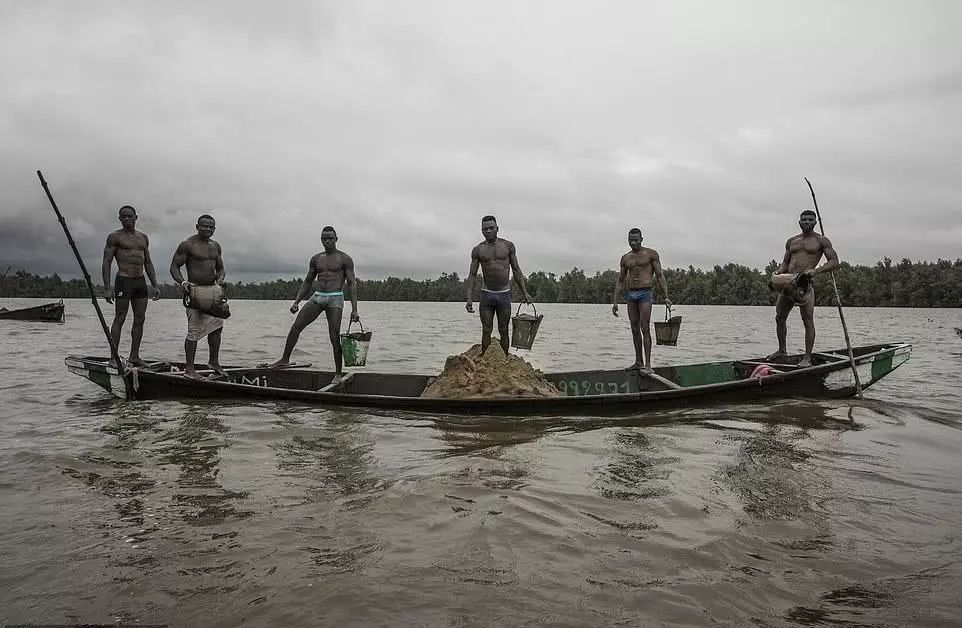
(328, 299)
(642, 295)
(495, 300)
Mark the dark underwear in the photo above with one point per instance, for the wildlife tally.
(130, 287)
(495, 300)
(641, 295)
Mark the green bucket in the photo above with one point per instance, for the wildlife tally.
(354, 346)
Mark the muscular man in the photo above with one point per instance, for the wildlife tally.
(638, 267)
(498, 261)
(802, 254)
(205, 272)
(131, 249)
(333, 270)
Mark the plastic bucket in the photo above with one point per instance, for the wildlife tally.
(666, 332)
(354, 346)
(524, 327)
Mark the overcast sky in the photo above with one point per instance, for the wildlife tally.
(402, 122)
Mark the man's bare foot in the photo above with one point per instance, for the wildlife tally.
(192, 373)
(135, 360)
(776, 356)
(647, 369)
(633, 367)
(282, 363)
(217, 368)
(806, 361)
(337, 378)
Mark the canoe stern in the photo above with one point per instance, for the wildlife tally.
(871, 368)
(99, 372)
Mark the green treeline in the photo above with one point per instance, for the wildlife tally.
(905, 284)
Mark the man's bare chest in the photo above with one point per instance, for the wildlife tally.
(493, 253)
(203, 252)
(639, 262)
(329, 264)
(130, 242)
(808, 246)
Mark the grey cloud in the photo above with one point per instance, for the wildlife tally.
(402, 124)
(918, 90)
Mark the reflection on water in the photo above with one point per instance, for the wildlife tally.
(334, 459)
(488, 437)
(772, 475)
(194, 445)
(633, 469)
(881, 603)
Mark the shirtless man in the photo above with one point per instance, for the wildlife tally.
(205, 273)
(802, 254)
(333, 270)
(498, 261)
(638, 266)
(131, 250)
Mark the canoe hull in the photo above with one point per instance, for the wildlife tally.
(47, 313)
(603, 392)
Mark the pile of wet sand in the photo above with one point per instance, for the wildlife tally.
(493, 374)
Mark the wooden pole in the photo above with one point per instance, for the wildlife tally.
(838, 301)
(90, 286)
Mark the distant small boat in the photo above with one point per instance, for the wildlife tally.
(603, 391)
(958, 330)
(48, 312)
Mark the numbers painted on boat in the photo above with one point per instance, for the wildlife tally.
(573, 387)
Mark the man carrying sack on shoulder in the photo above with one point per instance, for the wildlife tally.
(203, 293)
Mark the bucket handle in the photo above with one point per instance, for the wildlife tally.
(667, 311)
(532, 307)
(351, 323)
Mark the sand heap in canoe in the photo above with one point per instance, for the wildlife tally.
(493, 374)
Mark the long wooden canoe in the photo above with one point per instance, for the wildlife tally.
(48, 312)
(594, 392)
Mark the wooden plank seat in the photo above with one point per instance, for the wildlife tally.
(660, 379)
(333, 386)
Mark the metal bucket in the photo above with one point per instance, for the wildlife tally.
(524, 327)
(354, 346)
(666, 332)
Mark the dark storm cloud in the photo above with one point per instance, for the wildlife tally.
(403, 123)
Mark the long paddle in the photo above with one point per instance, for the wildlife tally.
(838, 301)
(90, 286)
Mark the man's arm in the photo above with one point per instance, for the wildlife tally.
(472, 278)
(831, 257)
(351, 280)
(516, 272)
(110, 249)
(787, 259)
(305, 285)
(619, 285)
(179, 259)
(656, 266)
(219, 266)
(149, 268)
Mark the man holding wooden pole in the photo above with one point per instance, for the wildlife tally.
(802, 254)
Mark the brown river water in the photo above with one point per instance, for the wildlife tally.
(211, 513)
